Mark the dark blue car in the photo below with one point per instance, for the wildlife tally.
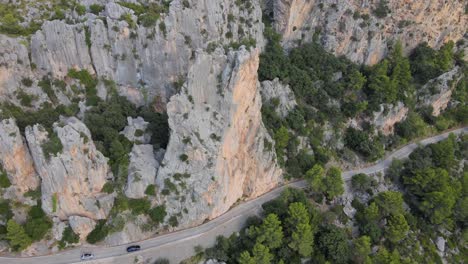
(133, 248)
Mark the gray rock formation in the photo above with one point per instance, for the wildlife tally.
(437, 93)
(71, 180)
(15, 158)
(81, 225)
(349, 27)
(217, 153)
(144, 62)
(276, 90)
(141, 171)
(388, 116)
(135, 131)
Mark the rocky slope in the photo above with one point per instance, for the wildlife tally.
(73, 178)
(364, 30)
(217, 152)
(16, 159)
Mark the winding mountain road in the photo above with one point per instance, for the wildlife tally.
(180, 245)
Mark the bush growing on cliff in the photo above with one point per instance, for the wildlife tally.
(38, 223)
(99, 232)
(53, 146)
(17, 237)
(68, 237)
(4, 181)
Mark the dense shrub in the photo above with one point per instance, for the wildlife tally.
(158, 213)
(99, 232)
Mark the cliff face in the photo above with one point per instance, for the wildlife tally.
(437, 93)
(15, 158)
(73, 178)
(353, 28)
(143, 61)
(217, 153)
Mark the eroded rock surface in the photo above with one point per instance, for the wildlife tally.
(71, 180)
(15, 158)
(437, 93)
(217, 153)
(275, 90)
(141, 171)
(351, 28)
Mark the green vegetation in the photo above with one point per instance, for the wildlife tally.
(149, 14)
(53, 146)
(139, 206)
(68, 237)
(96, 9)
(16, 236)
(157, 214)
(99, 232)
(37, 223)
(150, 190)
(292, 228)
(89, 82)
(330, 91)
(4, 180)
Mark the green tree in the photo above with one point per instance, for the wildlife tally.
(389, 202)
(385, 257)
(302, 240)
(270, 232)
(260, 255)
(401, 72)
(380, 87)
(37, 224)
(333, 242)
(18, 238)
(302, 234)
(396, 228)
(361, 182)
(435, 192)
(333, 183)
(314, 177)
(372, 212)
(361, 249)
(282, 138)
(245, 258)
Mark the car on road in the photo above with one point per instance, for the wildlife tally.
(133, 248)
(87, 256)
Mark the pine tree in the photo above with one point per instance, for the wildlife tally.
(270, 232)
(17, 236)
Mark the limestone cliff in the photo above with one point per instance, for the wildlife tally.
(363, 30)
(15, 158)
(218, 151)
(437, 93)
(143, 61)
(73, 178)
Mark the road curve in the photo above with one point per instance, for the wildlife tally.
(179, 245)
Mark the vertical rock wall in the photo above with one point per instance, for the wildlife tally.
(217, 153)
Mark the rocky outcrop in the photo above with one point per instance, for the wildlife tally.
(217, 152)
(351, 28)
(135, 131)
(51, 46)
(73, 178)
(437, 93)
(15, 158)
(143, 61)
(81, 225)
(275, 90)
(141, 171)
(385, 119)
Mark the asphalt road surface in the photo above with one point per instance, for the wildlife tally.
(180, 245)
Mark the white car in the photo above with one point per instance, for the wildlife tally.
(87, 256)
